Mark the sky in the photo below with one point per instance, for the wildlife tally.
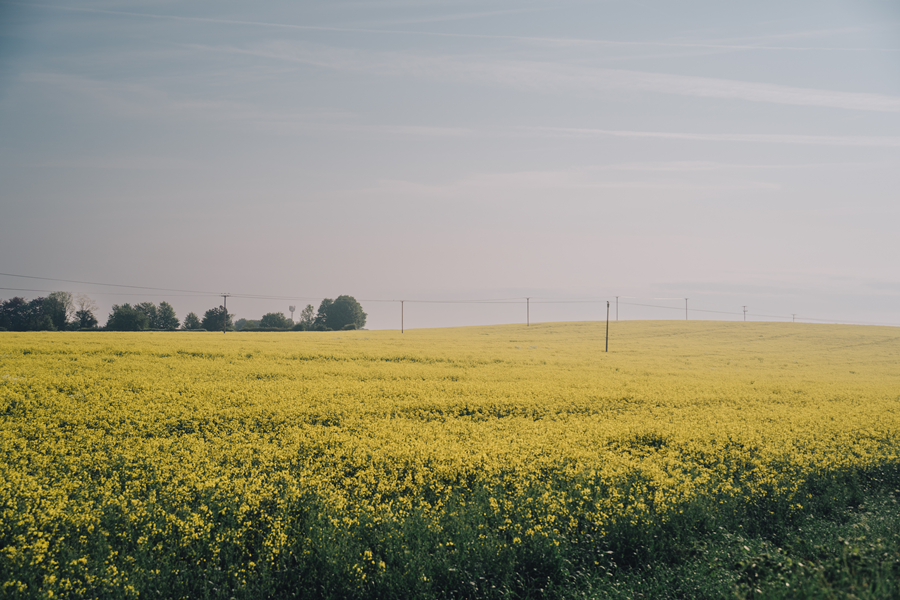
(571, 152)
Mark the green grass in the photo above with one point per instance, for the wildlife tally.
(847, 547)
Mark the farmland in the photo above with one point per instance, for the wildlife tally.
(472, 462)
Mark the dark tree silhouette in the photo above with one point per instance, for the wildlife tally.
(165, 317)
(212, 319)
(344, 312)
(191, 321)
(127, 318)
(275, 320)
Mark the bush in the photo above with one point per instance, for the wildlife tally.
(337, 313)
(277, 320)
(191, 322)
(245, 324)
(214, 319)
(85, 319)
(127, 318)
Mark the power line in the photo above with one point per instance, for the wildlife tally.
(515, 300)
(720, 312)
(489, 301)
(137, 287)
(768, 316)
(107, 293)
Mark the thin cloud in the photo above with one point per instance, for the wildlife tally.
(454, 17)
(266, 24)
(765, 42)
(686, 166)
(520, 38)
(137, 100)
(814, 140)
(418, 130)
(556, 77)
(516, 184)
(115, 163)
(708, 87)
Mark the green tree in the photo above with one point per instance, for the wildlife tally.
(39, 316)
(18, 314)
(191, 321)
(321, 321)
(245, 324)
(60, 307)
(127, 318)
(213, 319)
(308, 317)
(165, 317)
(12, 313)
(275, 320)
(149, 309)
(344, 312)
(84, 316)
(85, 319)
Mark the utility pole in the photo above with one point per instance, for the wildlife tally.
(225, 312)
(617, 308)
(745, 314)
(401, 315)
(793, 317)
(685, 309)
(527, 312)
(607, 325)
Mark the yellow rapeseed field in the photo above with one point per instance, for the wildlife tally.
(129, 461)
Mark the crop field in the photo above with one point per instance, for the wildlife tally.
(481, 462)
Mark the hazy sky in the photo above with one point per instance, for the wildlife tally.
(733, 153)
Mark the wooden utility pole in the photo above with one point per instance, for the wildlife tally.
(225, 312)
(401, 315)
(685, 309)
(527, 312)
(745, 313)
(607, 325)
(617, 308)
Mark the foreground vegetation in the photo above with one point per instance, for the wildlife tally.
(694, 459)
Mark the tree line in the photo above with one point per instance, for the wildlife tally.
(63, 311)
(56, 311)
